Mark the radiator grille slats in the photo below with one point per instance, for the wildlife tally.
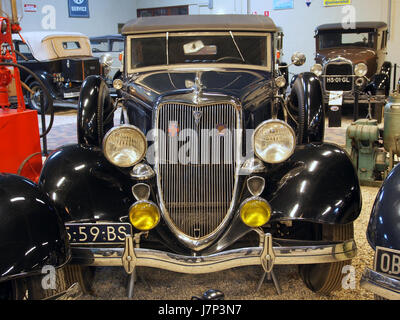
(197, 186)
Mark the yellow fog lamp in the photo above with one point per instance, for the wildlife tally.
(255, 212)
(144, 215)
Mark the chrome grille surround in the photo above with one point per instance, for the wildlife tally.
(180, 223)
(339, 63)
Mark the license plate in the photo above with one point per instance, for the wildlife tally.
(71, 94)
(336, 98)
(387, 261)
(97, 233)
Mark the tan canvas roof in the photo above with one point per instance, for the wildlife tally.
(228, 22)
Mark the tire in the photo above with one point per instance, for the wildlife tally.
(33, 100)
(325, 278)
(30, 288)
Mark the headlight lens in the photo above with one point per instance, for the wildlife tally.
(317, 69)
(125, 146)
(144, 215)
(361, 69)
(274, 141)
(255, 212)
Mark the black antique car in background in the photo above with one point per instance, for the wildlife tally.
(62, 60)
(383, 235)
(215, 168)
(351, 61)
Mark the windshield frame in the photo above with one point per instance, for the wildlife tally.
(267, 35)
(342, 31)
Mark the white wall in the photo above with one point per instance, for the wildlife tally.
(299, 23)
(105, 15)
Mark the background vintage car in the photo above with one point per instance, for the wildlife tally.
(110, 46)
(358, 57)
(205, 218)
(383, 235)
(62, 60)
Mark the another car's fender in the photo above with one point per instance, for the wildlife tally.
(381, 81)
(32, 234)
(94, 111)
(45, 77)
(384, 224)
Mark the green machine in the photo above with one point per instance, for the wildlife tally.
(373, 149)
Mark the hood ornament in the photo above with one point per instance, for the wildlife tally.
(198, 87)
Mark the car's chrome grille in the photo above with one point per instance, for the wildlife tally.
(339, 77)
(197, 191)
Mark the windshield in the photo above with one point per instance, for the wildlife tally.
(237, 48)
(347, 39)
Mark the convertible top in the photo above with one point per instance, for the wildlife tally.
(359, 25)
(48, 45)
(226, 22)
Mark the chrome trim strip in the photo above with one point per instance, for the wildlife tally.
(217, 262)
(380, 284)
(203, 242)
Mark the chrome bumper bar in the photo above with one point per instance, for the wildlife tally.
(348, 98)
(265, 255)
(381, 284)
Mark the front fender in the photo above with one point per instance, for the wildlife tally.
(318, 184)
(384, 224)
(45, 77)
(32, 234)
(84, 185)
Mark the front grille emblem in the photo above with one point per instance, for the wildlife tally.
(197, 116)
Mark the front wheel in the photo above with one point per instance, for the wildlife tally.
(34, 96)
(325, 278)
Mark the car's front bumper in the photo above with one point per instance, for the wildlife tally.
(381, 284)
(265, 255)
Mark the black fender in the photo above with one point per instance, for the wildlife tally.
(94, 111)
(47, 81)
(380, 82)
(306, 103)
(317, 184)
(84, 185)
(32, 233)
(384, 223)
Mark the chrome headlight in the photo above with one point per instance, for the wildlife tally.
(274, 141)
(361, 69)
(317, 69)
(125, 146)
(106, 60)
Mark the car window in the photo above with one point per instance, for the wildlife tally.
(99, 45)
(347, 39)
(117, 45)
(23, 49)
(71, 45)
(246, 48)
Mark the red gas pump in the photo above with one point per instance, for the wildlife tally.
(20, 150)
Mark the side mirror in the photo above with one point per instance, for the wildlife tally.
(299, 59)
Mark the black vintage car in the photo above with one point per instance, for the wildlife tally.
(352, 63)
(383, 235)
(62, 60)
(215, 167)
